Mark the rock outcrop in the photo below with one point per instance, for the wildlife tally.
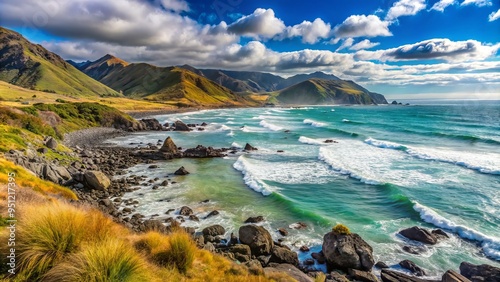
(483, 272)
(169, 146)
(96, 180)
(284, 255)
(411, 266)
(344, 251)
(181, 171)
(453, 276)
(258, 238)
(419, 234)
(394, 276)
(180, 126)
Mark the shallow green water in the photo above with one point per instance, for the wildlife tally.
(391, 167)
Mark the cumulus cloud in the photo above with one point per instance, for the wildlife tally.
(494, 16)
(361, 25)
(479, 3)
(364, 44)
(346, 43)
(445, 49)
(261, 23)
(175, 5)
(442, 4)
(405, 8)
(311, 32)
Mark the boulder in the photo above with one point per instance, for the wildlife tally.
(363, 276)
(151, 124)
(453, 276)
(214, 230)
(411, 266)
(97, 180)
(304, 248)
(186, 211)
(394, 276)
(283, 231)
(51, 143)
(181, 171)
(337, 277)
(284, 255)
(212, 213)
(169, 146)
(319, 257)
(258, 238)
(344, 251)
(419, 234)
(249, 147)
(180, 126)
(255, 219)
(289, 269)
(483, 272)
(381, 265)
(203, 152)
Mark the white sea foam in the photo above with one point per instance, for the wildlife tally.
(489, 244)
(250, 179)
(236, 145)
(231, 133)
(314, 123)
(488, 163)
(345, 120)
(273, 127)
(332, 110)
(310, 141)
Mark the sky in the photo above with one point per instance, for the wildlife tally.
(400, 48)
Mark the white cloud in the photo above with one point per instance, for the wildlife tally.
(364, 44)
(361, 25)
(479, 3)
(494, 16)
(442, 4)
(444, 49)
(346, 43)
(311, 32)
(261, 23)
(405, 8)
(175, 5)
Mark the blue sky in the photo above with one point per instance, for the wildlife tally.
(401, 48)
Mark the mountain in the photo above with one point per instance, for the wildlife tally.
(32, 66)
(172, 84)
(322, 91)
(303, 77)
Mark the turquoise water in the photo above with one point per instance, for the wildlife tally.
(392, 167)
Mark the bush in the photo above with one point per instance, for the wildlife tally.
(180, 254)
(341, 229)
(109, 260)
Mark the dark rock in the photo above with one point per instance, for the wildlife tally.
(363, 276)
(284, 255)
(152, 166)
(304, 248)
(169, 146)
(97, 180)
(309, 261)
(153, 225)
(255, 219)
(483, 272)
(394, 102)
(319, 257)
(214, 230)
(203, 152)
(204, 124)
(419, 234)
(180, 126)
(257, 237)
(186, 211)
(181, 171)
(42, 150)
(164, 183)
(283, 231)
(415, 250)
(194, 218)
(440, 234)
(280, 151)
(249, 147)
(347, 251)
(289, 269)
(212, 213)
(337, 277)
(205, 201)
(394, 276)
(411, 266)
(299, 225)
(453, 276)
(51, 143)
(381, 265)
(233, 239)
(151, 124)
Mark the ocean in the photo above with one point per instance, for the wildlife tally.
(434, 164)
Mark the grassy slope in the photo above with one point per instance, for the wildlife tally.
(319, 91)
(45, 70)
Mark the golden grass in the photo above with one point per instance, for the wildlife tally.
(179, 254)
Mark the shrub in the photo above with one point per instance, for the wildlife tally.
(180, 254)
(152, 243)
(341, 229)
(109, 260)
(49, 233)
(321, 277)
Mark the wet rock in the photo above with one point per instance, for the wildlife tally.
(185, 211)
(255, 219)
(153, 166)
(283, 232)
(257, 237)
(304, 249)
(299, 225)
(203, 152)
(453, 276)
(169, 146)
(212, 213)
(180, 126)
(319, 257)
(344, 251)
(214, 230)
(97, 180)
(419, 234)
(483, 272)
(284, 255)
(233, 239)
(381, 265)
(394, 276)
(411, 266)
(194, 218)
(440, 234)
(249, 147)
(363, 276)
(309, 261)
(181, 171)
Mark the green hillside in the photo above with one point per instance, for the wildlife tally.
(321, 91)
(32, 66)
